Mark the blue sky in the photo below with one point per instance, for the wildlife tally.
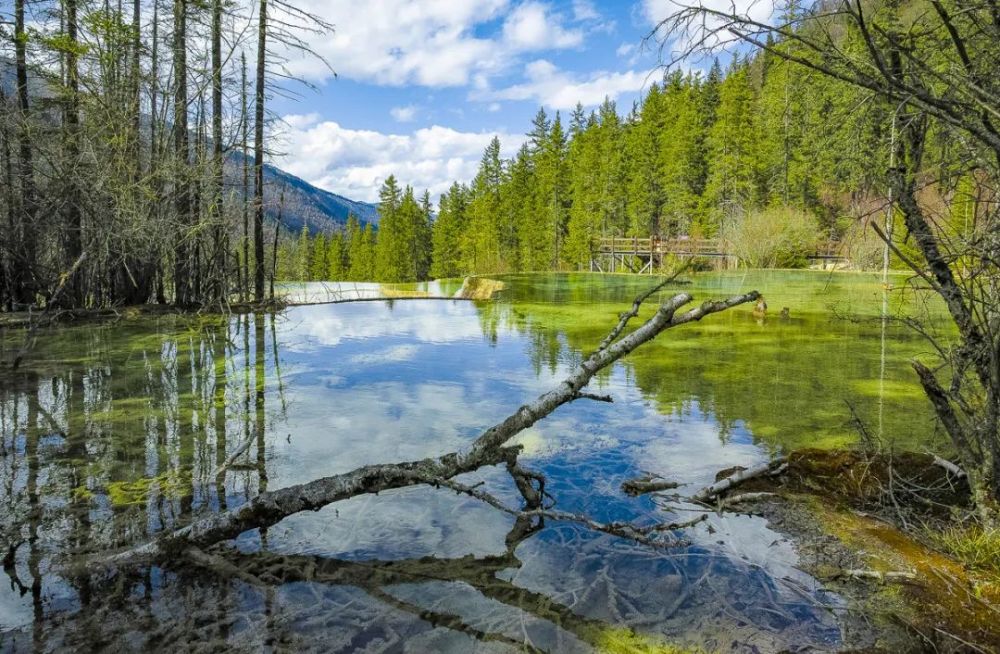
(422, 85)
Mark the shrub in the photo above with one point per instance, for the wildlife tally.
(777, 237)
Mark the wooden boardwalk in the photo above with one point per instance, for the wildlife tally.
(645, 255)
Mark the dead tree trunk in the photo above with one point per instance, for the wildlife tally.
(258, 157)
(488, 449)
(219, 279)
(23, 278)
(182, 154)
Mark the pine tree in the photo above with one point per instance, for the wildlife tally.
(481, 239)
(448, 232)
(363, 255)
(336, 270)
(733, 181)
(318, 263)
(391, 241)
(424, 247)
(681, 154)
(302, 248)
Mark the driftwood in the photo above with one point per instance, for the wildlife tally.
(746, 497)
(647, 484)
(488, 449)
(952, 469)
(775, 466)
(884, 577)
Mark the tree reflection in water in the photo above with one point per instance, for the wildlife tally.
(118, 434)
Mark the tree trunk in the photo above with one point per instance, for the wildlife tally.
(258, 157)
(23, 275)
(218, 283)
(74, 215)
(244, 129)
(182, 154)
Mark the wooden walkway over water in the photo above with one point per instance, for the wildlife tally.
(645, 255)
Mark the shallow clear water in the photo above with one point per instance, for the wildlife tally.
(112, 434)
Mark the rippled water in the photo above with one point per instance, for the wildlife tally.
(112, 433)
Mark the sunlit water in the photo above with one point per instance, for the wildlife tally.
(112, 434)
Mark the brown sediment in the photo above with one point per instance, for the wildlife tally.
(838, 507)
(480, 288)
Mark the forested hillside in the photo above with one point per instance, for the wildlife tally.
(132, 151)
(761, 150)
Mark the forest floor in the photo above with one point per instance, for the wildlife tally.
(885, 532)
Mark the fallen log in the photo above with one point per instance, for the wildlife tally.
(488, 449)
(884, 577)
(776, 466)
(952, 468)
(647, 484)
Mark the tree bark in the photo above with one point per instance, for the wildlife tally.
(74, 215)
(23, 273)
(258, 156)
(219, 282)
(182, 154)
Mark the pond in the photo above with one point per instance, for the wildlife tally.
(111, 434)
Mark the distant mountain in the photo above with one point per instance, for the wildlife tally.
(305, 204)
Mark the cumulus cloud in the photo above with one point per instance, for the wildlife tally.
(531, 27)
(583, 10)
(435, 43)
(403, 114)
(552, 87)
(355, 162)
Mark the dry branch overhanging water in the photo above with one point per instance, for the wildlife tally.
(324, 394)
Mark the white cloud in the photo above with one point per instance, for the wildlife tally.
(355, 162)
(531, 27)
(557, 89)
(403, 114)
(584, 10)
(436, 43)
(625, 49)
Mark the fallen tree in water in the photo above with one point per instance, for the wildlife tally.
(489, 449)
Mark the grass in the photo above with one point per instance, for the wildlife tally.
(975, 547)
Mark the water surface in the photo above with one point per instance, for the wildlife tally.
(112, 434)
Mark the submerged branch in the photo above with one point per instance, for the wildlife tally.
(488, 449)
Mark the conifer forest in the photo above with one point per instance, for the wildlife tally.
(640, 326)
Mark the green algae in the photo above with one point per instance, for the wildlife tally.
(790, 381)
(170, 485)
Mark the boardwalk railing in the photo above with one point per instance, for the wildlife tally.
(643, 254)
(708, 247)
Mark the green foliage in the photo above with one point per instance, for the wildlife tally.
(974, 546)
(771, 238)
(767, 153)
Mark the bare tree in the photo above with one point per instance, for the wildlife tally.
(932, 64)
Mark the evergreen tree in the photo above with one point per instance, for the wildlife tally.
(481, 239)
(681, 154)
(391, 245)
(301, 270)
(448, 233)
(318, 263)
(362, 255)
(733, 151)
(336, 268)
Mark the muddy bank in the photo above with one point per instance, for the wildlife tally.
(873, 543)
